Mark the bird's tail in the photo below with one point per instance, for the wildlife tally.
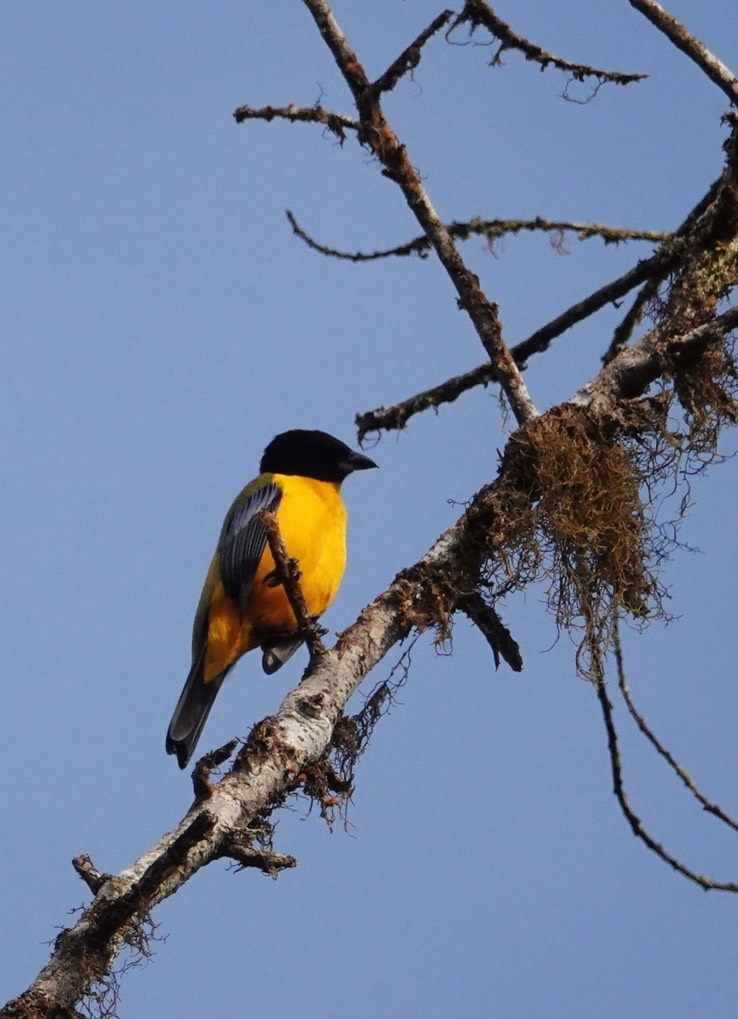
(193, 708)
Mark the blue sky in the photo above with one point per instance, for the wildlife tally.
(161, 324)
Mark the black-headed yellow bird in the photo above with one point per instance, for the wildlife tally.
(241, 607)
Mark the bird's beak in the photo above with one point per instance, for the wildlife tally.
(357, 462)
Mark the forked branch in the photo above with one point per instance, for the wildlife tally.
(708, 805)
(378, 136)
(636, 825)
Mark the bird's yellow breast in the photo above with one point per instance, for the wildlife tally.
(312, 521)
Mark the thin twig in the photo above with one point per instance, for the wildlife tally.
(696, 50)
(409, 59)
(667, 258)
(709, 806)
(624, 331)
(395, 418)
(635, 822)
(335, 122)
(288, 575)
(476, 13)
(492, 229)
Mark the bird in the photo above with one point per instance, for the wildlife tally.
(242, 606)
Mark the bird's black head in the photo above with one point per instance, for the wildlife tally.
(312, 454)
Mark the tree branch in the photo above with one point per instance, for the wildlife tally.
(280, 748)
(228, 815)
(708, 805)
(89, 873)
(409, 59)
(239, 847)
(540, 340)
(636, 825)
(287, 573)
(377, 135)
(650, 289)
(476, 13)
(492, 229)
(395, 418)
(714, 68)
(501, 641)
(634, 369)
(335, 122)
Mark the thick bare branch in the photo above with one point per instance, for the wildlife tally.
(714, 68)
(281, 747)
(239, 847)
